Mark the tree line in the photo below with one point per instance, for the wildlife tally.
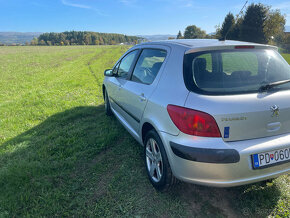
(258, 23)
(83, 38)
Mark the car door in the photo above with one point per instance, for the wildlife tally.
(121, 73)
(143, 80)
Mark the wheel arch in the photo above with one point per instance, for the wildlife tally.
(146, 127)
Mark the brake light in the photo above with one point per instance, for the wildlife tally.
(193, 122)
(244, 46)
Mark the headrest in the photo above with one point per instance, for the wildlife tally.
(241, 74)
(155, 68)
(200, 64)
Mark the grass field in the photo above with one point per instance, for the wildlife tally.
(61, 156)
(287, 57)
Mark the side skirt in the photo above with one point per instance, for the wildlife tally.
(127, 126)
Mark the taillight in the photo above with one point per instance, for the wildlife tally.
(193, 122)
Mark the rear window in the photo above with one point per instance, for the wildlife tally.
(234, 71)
(148, 65)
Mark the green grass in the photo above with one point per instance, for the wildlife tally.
(61, 156)
(287, 57)
(242, 61)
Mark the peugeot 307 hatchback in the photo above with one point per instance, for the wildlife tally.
(208, 112)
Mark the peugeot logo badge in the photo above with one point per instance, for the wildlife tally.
(275, 111)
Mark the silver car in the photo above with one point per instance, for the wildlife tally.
(208, 112)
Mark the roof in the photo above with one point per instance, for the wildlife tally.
(200, 42)
(193, 44)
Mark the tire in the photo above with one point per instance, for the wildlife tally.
(107, 104)
(156, 162)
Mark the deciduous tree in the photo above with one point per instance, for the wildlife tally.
(274, 26)
(83, 38)
(194, 32)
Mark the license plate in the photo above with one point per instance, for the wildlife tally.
(266, 159)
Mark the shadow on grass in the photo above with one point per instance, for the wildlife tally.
(63, 134)
(44, 163)
(82, 163)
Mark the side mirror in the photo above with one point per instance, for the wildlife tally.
(108, 72)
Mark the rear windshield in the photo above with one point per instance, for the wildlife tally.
(234, 71)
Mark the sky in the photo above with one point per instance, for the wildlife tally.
(131, 17)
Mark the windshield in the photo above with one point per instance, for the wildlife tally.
(234, 71)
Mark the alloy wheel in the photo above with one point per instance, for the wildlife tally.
(154, 160)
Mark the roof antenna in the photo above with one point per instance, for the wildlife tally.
(224, 38)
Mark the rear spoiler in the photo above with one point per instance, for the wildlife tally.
(228, 47)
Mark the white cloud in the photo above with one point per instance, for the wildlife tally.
(189, 4)
(128, 2)
(185, 3)
(67, 3)
(82, 6)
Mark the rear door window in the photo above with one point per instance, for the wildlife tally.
(148, 65)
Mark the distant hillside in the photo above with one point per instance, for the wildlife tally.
(17, 37)
(156, 37)
(84, 38)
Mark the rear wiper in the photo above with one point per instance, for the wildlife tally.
(271, 85)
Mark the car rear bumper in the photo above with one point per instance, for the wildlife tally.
(213, 162)
(206, 155)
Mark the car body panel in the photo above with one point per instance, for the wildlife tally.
(135, 95)
(166, 93)
(257, 133)
(221, 174)
(248, 116)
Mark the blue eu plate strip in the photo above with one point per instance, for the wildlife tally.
(227, 132)
(256, 160)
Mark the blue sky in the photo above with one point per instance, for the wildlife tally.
(132, 17)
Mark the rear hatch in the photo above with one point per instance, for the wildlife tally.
(242, 117)
(231, 85)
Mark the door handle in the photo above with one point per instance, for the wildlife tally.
(272, 127)
(142, 97)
